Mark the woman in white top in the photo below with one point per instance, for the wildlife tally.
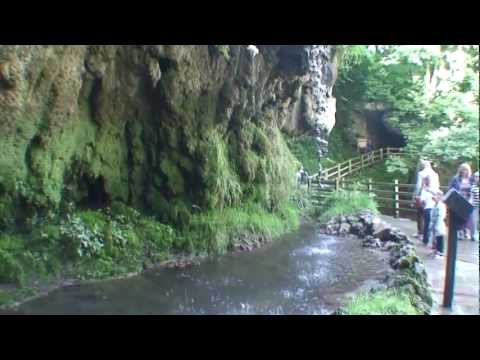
(426, 197)
(437, 222)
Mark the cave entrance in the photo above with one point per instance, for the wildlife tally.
(381, 133)
(96, 196)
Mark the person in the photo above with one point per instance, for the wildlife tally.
(424, 170)
(437, 223)
(427, 170)
(302, 176)
(475, 202)
(463, 183)
(426, 197)
(369, 146)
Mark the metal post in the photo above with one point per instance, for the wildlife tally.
(397, 203)
(451, 260)
(350, 165)
(362, 160)
(370, 187)
(388, 151)
(381, 154)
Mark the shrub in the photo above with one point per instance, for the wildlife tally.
(82, 235)
(347, 203)
(157, 236)
(11, 270)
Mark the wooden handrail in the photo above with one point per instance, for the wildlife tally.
(363, 160)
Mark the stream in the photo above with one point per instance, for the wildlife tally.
(301, 273)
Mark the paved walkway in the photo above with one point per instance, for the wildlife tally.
(466, 296)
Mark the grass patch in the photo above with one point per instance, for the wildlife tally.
(385, 302)
(347, 203)
(216, 231)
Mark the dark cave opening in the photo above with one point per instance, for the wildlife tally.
(381, 133)
(94, 97)
(96, 195)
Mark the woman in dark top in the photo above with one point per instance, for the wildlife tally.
(463, 183)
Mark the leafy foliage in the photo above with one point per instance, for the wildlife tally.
(431, 93)
(305, 150)
(347, 203)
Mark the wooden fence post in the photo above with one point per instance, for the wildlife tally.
(397, 203)
(362, 161)
(350, 165)
(370, 187)
(448, 290)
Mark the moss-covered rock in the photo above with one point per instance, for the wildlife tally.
(127, 122)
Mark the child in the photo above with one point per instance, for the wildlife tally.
(437, 223)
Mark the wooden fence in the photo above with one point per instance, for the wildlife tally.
(395, 197)
(341, 170)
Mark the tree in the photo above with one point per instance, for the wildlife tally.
(431, 91)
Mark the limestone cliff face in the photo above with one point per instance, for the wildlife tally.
(159, 127)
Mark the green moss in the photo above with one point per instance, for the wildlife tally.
(93, 219)
(11, 270)
(305, 150)
(218, 175)
(223, 50)
(183, 162)
(387, 302)
(7, 214)
(126, 213)
(159, 238)
(215, 231)
(160, 207)
(11, 267)
(416, 287)
(174, 175)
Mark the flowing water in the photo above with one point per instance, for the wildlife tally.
(301, 273)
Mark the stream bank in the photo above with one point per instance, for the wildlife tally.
(406, 274)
